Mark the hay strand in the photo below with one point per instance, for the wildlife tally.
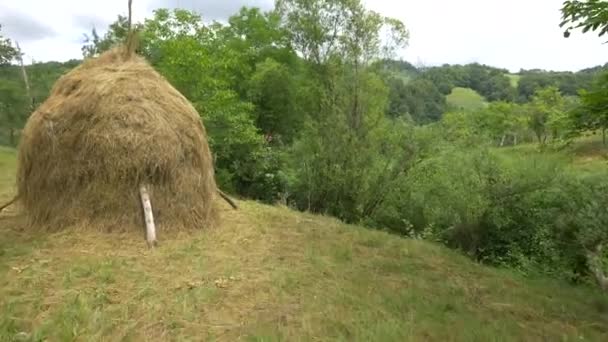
(9, 203)
(148, 216)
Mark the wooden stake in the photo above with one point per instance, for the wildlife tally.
(25, 78)
(148, 217)
(227, 199)
(594, 258)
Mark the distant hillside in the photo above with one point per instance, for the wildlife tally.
(514, 79)
(466, 99)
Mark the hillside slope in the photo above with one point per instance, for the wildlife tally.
(269, 273)
(465, 99)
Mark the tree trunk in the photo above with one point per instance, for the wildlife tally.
(539, 137)
(514, 139)
(604, 135)
(11, 136)
(356, 120)
(502, 141)
(148, 217)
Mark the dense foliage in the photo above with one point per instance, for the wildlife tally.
(305, 105)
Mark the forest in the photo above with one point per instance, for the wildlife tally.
(307, 106)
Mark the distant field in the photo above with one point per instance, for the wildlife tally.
(514, 79)
(584, 154)
(465, 98)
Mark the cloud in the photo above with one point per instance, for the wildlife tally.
(89, 21)
(21, 27)
(515, 34)
(211, 10)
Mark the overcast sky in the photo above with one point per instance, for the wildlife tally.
(510, 34)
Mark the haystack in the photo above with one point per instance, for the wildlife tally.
(108, 126)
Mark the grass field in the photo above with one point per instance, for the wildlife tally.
(466, 99)
(514, 79)
(587, 153)
(270, 274)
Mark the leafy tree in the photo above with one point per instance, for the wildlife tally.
(13, 108)
(117, 32)
(320, 30)
(590, 15)
(442, 78)
(272, 91)
(422, 101)
(7, 51)
(504, 119)
(348, 153)
(593, 113)
(545, 112)
(530, 83)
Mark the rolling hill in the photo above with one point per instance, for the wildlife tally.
(466, 99)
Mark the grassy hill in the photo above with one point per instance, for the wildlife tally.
(268, 274)
(465, 98)
(514, 79)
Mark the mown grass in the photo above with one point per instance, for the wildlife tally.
(271, 274)
(465, 99)
(514, 79)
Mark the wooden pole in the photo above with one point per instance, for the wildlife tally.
(594, 258)
(227, 199)
(130, 11)
(25, 78)
(148, 217)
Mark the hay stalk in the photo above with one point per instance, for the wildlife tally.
(148, 217)
(9, 203)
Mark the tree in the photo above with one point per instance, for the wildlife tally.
(545, 112)
(591, 15)
(423, 101)
(117, 32)
(593, 113)
(272, 90)
(7, 51)
(349, 153)
(504, 119)
(13, 107)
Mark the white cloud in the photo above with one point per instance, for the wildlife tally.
(510, 34)
(514, 34)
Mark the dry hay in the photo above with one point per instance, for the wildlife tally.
(109, 125)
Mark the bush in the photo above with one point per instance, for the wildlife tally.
(527, 212)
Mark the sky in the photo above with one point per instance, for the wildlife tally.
(508, 34)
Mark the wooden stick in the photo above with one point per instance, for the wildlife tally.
(26, 80)
(149, 218)
(130, 11)
(227, 199)
(9, 202)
